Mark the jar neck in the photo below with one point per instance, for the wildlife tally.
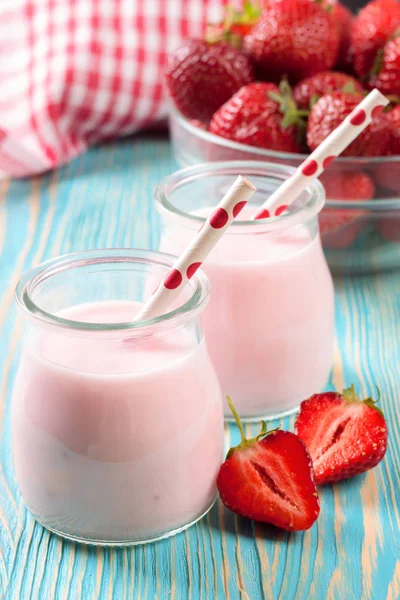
(50, 293)
(180, 196)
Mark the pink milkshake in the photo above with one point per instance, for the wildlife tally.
(115, 441)
(270, 322)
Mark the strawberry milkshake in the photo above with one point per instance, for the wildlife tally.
(270, 323)
(117, 426)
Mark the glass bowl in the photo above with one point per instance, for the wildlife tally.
(358, 235)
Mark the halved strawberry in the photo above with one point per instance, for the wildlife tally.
(344, 435)
(270, 479)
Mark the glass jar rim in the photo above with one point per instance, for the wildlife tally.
(67, 262)
(310, 209)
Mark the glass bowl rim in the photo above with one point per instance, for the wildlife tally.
(378, 205)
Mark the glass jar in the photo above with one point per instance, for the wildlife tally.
(270, 322)
(117, 425)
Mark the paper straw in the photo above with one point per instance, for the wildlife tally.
(204, 241)
(327, 151)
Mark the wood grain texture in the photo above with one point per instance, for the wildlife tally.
(104, 199)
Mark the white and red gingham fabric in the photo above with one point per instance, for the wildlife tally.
(75, 72)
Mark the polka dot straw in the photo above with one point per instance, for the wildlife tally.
(204, 241)
(331, 147)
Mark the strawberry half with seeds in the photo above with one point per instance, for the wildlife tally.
(344, 435)
(201, 76)
(270, 479)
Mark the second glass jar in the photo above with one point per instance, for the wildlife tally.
(270, 322)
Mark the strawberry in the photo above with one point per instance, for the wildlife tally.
(294, 38)
(393, 119)
(344, 21)
(260, 114)
(235, 25)
(385, 74)
(270, 479)
(201, 76)
(372, 28)
(308, 91)
(339, 227)
(348, 185)
(331, 110)
(344, 435)
(389, 227)
(387, 174)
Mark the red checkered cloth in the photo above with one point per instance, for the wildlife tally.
(75, 72)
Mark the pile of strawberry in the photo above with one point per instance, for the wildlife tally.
(272, 478)
(282, 78)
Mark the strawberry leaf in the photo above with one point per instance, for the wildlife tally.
(378, 63)
(393, 99)
(313, 100)
(349, 88)
(251, 12)
(324, 5)
(292, 116)
(234, 25)
(395, 35)
(349, 394)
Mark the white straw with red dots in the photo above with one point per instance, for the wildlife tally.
(327, 151)
(204, 241)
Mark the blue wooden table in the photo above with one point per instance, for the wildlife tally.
(104, 199)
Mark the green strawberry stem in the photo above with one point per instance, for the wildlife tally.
(245, 443)
(237, 418)
(349, 394)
